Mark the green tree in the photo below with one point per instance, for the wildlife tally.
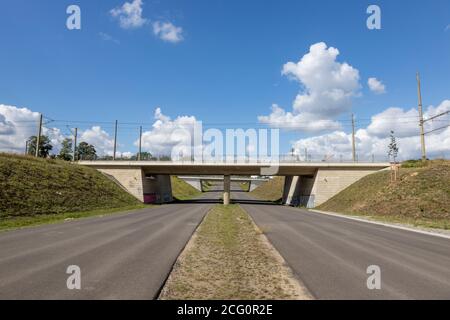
(105, 157)
(165, 158)
(66, 150)
(393, 148)
(144, 156)
(86, 151)
(45, 146)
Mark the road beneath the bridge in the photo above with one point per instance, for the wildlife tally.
(129, 255)
(121, 256)
(331, 254)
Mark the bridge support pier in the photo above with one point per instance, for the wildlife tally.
(226, 190)
(291, 190)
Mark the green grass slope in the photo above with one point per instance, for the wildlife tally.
(420, 197)
(32, 186)
(271, 190)
(182, 190)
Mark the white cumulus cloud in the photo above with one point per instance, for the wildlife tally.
(403, 122)
(327, 89)
(166, 134)
(167, 31)
(129, 14)
(279, 118)
(18, 124)
(99, 138)
(376, 86)
(374, 139)
(103, 142)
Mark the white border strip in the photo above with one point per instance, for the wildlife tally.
(412, 229)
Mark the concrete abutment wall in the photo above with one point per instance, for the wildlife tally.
(193, 182)
(311, 191)
(145, 188)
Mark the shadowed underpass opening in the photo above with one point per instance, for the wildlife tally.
(214, 195)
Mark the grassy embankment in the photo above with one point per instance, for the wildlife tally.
(37, 191)
(182, 190)
(271, 190)
(229, 258)
(420, 197)
(206, 185)
(244, 186)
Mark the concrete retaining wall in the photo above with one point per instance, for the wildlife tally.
(329, 182)
(312, 191)
(148, 189)
(196, 183)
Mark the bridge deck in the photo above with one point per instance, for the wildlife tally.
(232, 168)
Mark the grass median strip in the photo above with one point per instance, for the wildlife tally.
(229, 258)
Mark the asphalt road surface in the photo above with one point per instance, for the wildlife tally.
(129, 255)
(331, 254)
(121, 256)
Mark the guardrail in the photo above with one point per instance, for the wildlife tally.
(239, 159)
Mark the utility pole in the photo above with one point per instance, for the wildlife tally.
(75, 144)
(353, 139)
(38, 137)
(115, 141)
(26, 147)
(422, 133)
(140, 143)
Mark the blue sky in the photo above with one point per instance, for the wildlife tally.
(226, 71)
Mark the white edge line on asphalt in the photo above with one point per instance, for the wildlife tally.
(430, 233)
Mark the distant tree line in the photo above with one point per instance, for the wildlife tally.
(84, 151)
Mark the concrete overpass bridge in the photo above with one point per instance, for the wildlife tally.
(306, 183)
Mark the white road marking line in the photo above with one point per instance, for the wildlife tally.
(431, 233)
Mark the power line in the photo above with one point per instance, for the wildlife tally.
(297, 124)
(437, 129)
(438, 115)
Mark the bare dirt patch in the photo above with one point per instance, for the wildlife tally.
(229, 258)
